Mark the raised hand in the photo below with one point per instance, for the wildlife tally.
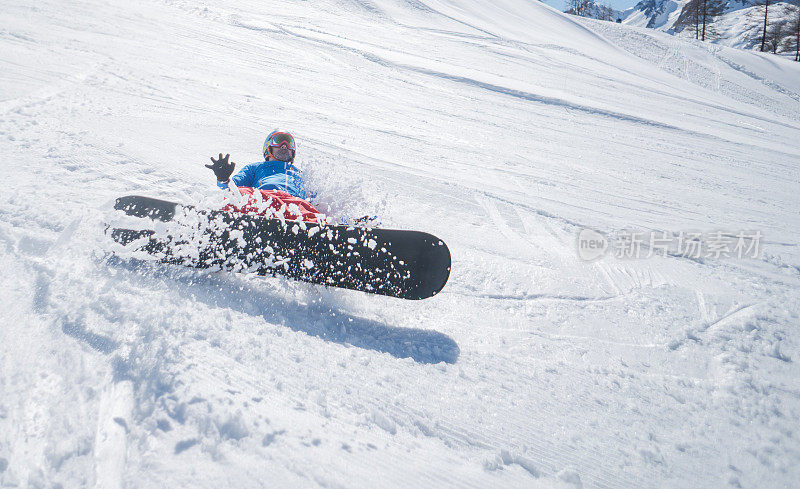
(221, 168)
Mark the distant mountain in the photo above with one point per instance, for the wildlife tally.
(739, 22)
(654, 14)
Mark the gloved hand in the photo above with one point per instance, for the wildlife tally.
(222, 169)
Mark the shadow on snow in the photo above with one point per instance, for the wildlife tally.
(317, 319)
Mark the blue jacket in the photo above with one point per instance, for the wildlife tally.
(270, 175)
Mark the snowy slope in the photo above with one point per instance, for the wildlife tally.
(502, 128)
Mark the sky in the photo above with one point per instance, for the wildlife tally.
(616, 4)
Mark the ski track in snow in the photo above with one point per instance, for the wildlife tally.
(503, 128)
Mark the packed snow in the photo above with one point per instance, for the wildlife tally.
(506, 129)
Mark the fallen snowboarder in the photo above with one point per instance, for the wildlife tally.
(274, 230)
(276, 178)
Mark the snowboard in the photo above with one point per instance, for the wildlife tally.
(398, 263)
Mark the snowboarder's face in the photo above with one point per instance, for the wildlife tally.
(281, 153)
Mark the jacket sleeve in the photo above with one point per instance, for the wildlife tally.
(244, 178)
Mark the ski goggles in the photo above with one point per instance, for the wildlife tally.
(280, 139)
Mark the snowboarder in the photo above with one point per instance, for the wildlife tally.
(277, 179)
(398, 263)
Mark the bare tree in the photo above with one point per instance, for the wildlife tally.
(766, 15)
(787, 33)
(774, 26)
(580, 7)
(699, 15)
(689, 18)
(763, 5)
(589, 8)
(794, 29)
(709, 11)
(604, 12)
(775, 35)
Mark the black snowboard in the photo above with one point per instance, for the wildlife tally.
(398, 263)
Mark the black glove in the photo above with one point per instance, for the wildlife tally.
(222, 169)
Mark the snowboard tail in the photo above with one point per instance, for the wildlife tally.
(398, 263)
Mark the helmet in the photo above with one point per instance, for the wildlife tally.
(279, 138)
